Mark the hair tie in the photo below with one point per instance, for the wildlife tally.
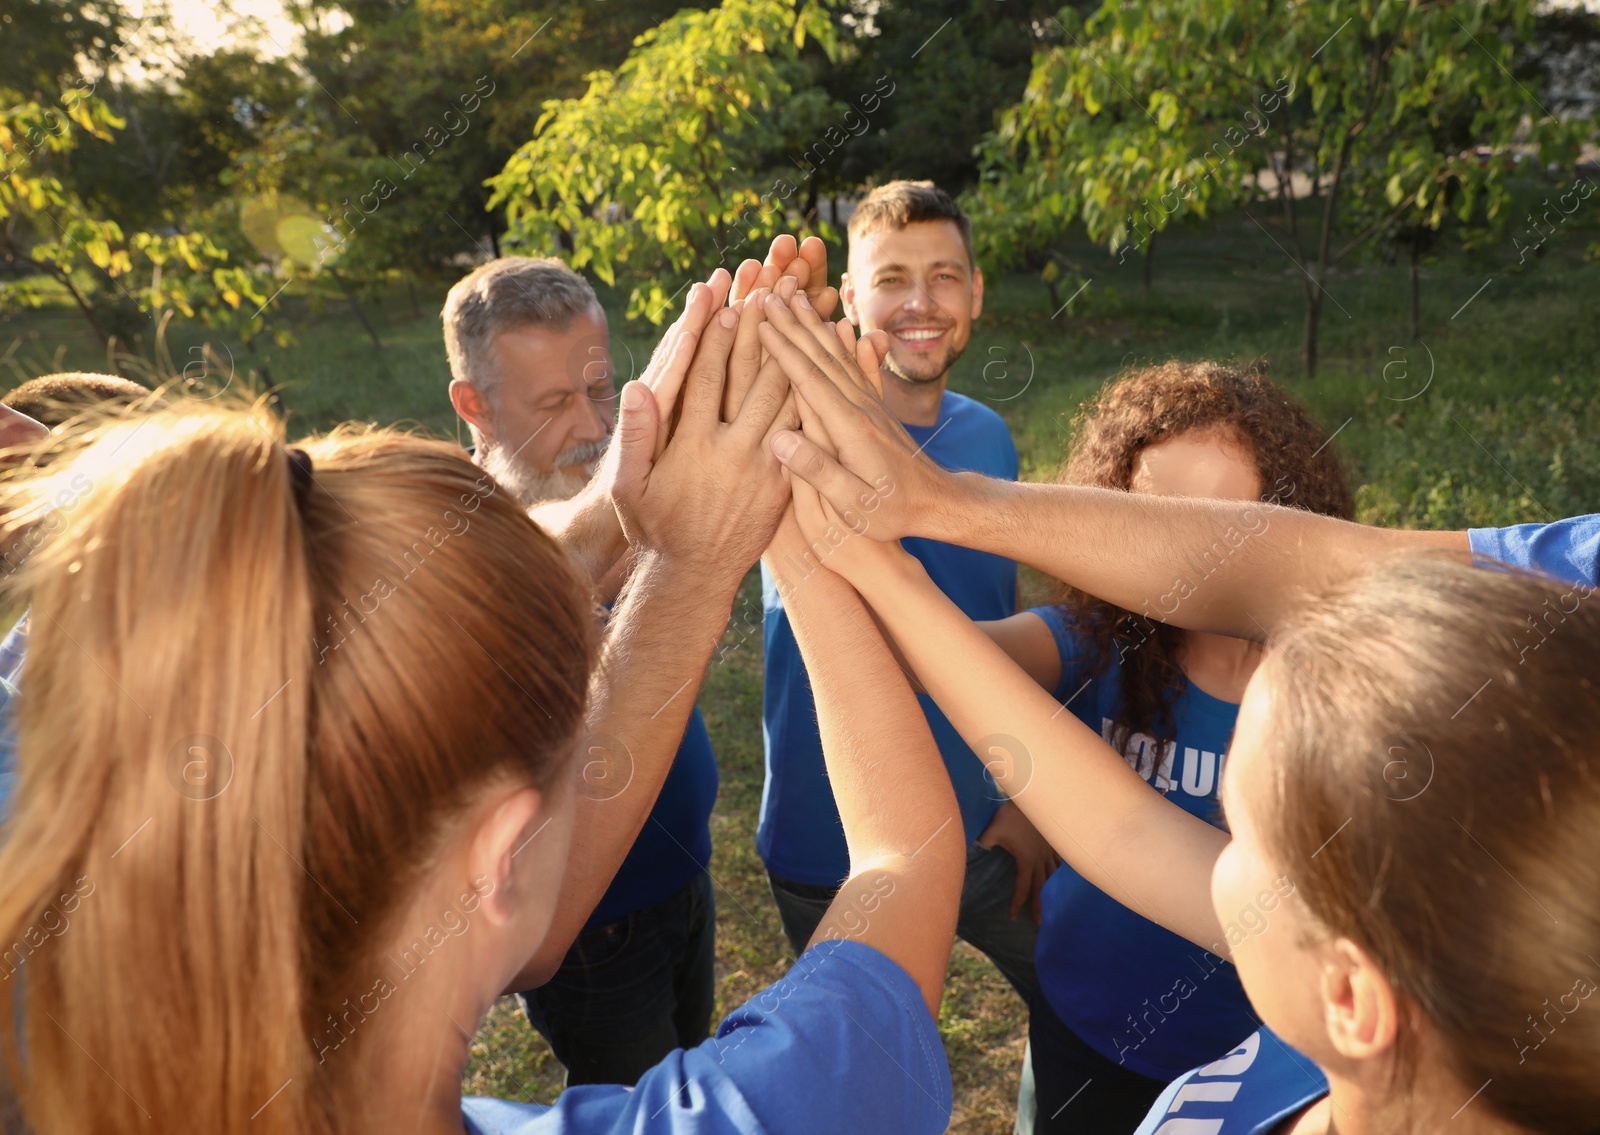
(300, 473)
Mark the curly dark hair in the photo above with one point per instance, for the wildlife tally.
(1296, 463)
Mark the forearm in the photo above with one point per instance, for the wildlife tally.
(655, 653)
(1093, 809)
(1230, 567)
(901, 822)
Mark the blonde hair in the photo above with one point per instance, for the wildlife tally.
(233, 803)
(1443, 721)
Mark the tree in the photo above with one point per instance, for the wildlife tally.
(1159, 111)
(419, 102)
(120, 280)
(47, 44)
(687, 155)
(956, 65)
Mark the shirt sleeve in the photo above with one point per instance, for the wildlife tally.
(1068, 644)
(843, 1043)
(1567, 549)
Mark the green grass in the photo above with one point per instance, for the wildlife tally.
(1505, 431)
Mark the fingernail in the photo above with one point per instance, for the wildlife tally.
(728, 318)
(633, 395)
(784, 443)
(801, 300)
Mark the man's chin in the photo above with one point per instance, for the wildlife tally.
(924, 371)
(530, 487)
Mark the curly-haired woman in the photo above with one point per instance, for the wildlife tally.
(1124, 1005)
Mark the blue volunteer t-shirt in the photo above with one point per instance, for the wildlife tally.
(800, 837)
(1138, 994)
(1566, 549)
(1250, 1091)
(12, 651)
(675, 843)
(843, 1044)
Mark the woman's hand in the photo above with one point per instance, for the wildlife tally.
(841, 539)
(806, 263)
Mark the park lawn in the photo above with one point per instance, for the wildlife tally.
(1491, 418)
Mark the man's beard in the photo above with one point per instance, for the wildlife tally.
(531, 487)
(894, 370)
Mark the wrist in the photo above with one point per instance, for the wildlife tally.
(884, 571)
(966, 512)
(683, 580)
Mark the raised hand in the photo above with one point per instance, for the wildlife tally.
(805, 262)
(669, 362)
(840, 384)
(714, 496)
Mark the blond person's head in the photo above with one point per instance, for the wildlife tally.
(1417, 765)
(254, 712)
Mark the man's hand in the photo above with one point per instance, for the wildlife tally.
(1036, 860)
(669, 362)
(877, 460)
(713, 498)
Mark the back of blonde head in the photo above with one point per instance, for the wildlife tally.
(245, 720)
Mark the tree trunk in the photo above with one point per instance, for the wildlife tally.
(262, 368)
(1416, 294)
(361, 312)
(833, 209)
(1149, 257)
(1313, 318)
(494, 242)
(65, 279)
(809, 212)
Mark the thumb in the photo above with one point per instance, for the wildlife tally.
(871, 349)
(633, 449)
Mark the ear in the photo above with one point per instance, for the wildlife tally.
(471, 405)
(1360, 1006)
(977, 291)
(847, 298)
(509, 823)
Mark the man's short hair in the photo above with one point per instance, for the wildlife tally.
(503, 295)
(897, 204)
(57, 398)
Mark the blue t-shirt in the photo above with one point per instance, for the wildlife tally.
(800, 837)
(12, 651)
(844, 1043)
(1567, 550)
(675, 843)
(1250, 1091)
(1138, 994)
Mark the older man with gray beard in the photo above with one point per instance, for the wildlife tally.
(531, 375)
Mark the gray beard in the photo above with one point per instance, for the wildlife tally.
(528, 486)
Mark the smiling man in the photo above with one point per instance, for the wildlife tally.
(530, 361)
(911, 274)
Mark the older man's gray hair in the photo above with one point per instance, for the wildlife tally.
(504, 295)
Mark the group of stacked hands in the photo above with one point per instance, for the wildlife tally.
(1328, 949)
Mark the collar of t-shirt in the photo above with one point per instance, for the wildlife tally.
(1250, 1091)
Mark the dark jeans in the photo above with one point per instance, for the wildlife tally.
(983, 922)
(631, 991)
(1076, 1090)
